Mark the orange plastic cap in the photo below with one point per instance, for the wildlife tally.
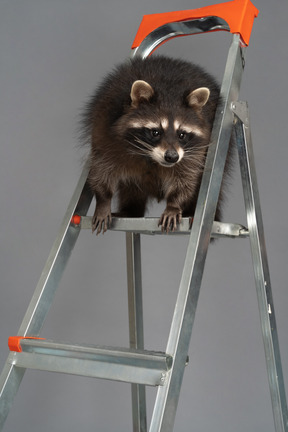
(14, 342)
(76, 219)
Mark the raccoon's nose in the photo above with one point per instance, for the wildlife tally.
(171, 156)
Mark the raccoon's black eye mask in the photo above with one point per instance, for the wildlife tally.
(149, 136)
(154, 136)
(188, 139)
(185, 138)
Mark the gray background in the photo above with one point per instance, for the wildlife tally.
(53, 54)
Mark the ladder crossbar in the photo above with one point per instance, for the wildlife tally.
(118, 364)
(149, 226)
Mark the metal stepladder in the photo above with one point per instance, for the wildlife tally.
(137, 365)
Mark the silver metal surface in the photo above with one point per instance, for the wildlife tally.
(136, 330)
(261, 269)
(184, 28)
(149, 226)
(11, 377)
(241, 110)
(118, 364)
(180, 333)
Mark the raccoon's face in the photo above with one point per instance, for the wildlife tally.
(166, 142)
(165, 138)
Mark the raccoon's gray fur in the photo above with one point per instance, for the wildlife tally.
(149, 125)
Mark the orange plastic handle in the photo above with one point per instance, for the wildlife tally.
(14, 342)
(239, 15)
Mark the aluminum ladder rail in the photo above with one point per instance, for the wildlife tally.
(136, 365)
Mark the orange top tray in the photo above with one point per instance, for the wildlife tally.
(239, 15)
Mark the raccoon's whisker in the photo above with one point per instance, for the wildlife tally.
(143, 143)
(196, 154)
(203, 146)
(196, 158)
(141, 149)
(197, 162)
(136, 140)
(137, 150)
(134, 152)
(198, 148)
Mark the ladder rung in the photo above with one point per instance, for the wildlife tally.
(149, 225)
(118, 364)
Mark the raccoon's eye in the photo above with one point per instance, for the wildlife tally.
(155, 133)
(181, 135)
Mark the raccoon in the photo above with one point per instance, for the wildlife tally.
(149, 125)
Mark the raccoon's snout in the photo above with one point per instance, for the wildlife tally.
(171, 156)
(167, 158)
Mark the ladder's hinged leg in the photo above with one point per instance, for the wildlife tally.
(261, 269)
(136, 330)
(178, 343)
(41, 301)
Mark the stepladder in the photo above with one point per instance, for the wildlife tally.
(135, 365)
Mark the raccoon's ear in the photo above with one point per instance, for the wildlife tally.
(198, 98)
(140, 90)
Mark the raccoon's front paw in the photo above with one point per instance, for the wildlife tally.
(101, 220)
(170, 218)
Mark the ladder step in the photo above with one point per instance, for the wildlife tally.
(149, 225)
(117, 364)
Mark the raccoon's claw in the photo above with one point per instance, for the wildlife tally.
(100, 223)
(170, 218)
